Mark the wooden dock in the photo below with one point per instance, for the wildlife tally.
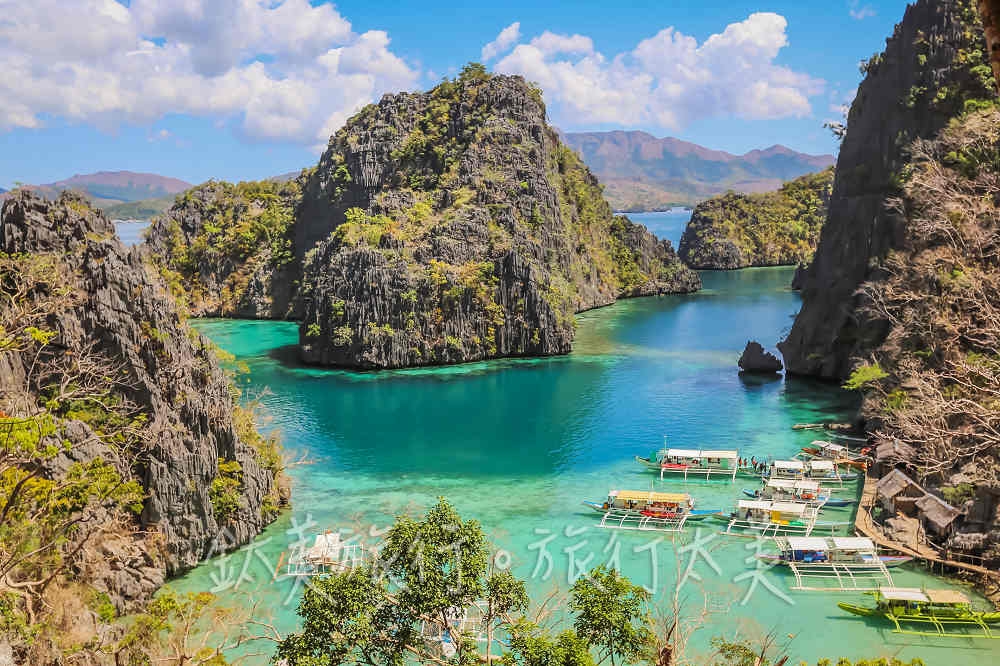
(865, 525)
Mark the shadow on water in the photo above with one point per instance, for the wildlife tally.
(286, 355)
(752, 380)
(820, 396)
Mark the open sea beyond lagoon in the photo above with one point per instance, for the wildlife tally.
(519, 444)
(665, 224)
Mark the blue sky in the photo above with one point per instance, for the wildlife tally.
(244, 89)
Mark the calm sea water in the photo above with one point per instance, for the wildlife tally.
(519, 444)
(668, 225)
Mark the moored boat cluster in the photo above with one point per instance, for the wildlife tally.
(786, 508)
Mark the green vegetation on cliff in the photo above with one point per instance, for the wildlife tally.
(770, 229)
(217, 238)
(119, 436)
(479, 234)
(935, 380)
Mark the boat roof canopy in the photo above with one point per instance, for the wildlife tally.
(807, 543)
(853, 543)
(788, 507)
(788, 464)
(755, 504)
(793, 484)
(902, 594)
(822, 465)
(649, 496)
(830, 446)
(697, 453)
(946, 597)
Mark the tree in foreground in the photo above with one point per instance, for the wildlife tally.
(433, 595)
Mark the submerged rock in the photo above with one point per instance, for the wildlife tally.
(756, 359)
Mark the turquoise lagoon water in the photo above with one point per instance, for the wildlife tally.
(519, 444)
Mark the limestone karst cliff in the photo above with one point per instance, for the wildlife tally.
(778, 228)
(934, 66)
(438, 227)
(903, 294)
(227, 250)
(106, 391)
(462, 229)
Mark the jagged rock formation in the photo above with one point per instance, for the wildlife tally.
(755, 359)
(933, 67)
(458, 228)
(104, 331)
(771, 229)
(226, 250)
(903, 295)
(438, 227)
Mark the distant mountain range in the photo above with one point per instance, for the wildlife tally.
(641, 172)
(121, 194)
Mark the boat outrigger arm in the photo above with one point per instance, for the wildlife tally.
(942, 610)
(833, 563)
(646, 510)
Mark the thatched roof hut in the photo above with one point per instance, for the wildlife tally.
(938, 516)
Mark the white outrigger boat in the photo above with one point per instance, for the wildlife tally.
(824, 471)
(648, 510)
(835, 563)
(797, 490)
(768, 518)
(329, 554)
(696, 463)
(837, 453)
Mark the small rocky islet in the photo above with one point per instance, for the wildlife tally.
(779, 228)
(438, 227)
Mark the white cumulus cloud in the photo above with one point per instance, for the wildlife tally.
(669, 79)
(283, 69)
(860, 12)
(504, 40)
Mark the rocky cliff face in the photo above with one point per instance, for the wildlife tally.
(227, 250)
(208, 479)
(934, 66)
(771, 229)
(454, 226)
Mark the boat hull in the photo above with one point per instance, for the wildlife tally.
(889, 561)
(697, 472)
(863, 611)
(829, 501)
(695, 514)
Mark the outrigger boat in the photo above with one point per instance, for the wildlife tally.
(824, 471)
(648, 510)
(940, 609)
(799, 490)
(853, 563)
(329, 554)
(768, 518)
(696, 463)
(838, 453)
